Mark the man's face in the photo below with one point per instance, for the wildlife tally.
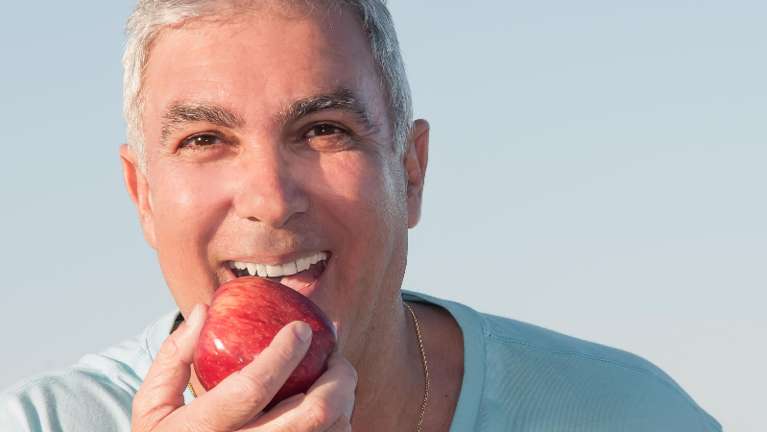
(268, 142)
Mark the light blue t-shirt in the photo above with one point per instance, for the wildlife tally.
(517, 377)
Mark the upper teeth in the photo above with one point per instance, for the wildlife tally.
(285, 269)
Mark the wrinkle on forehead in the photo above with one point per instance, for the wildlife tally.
(239, 11)
(234, 11)
(367, 102)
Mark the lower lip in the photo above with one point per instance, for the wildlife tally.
(310, 291)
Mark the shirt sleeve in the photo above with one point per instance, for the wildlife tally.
(73, 400)
(14, 415)
(95, 394)
(537, 379)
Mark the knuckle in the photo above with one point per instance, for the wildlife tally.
(255, 387)
(148, 408)
(286, 353)
(198, 424)
(140, 405)
(321, 415)
(350, 372)
(168, 351)
(145, 416)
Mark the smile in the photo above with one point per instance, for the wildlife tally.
(298, 274)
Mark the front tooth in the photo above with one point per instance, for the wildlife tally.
(265, 270)
(251, 269)
(273, 271)
(289, 269)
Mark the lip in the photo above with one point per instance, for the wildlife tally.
(313, 290)
(309, 291)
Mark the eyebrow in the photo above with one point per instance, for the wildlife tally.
(343, 99)
(181, 113)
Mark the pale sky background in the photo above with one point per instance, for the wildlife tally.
(597, 168)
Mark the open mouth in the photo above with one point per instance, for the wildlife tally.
(297, 274)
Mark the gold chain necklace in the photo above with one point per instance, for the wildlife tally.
(426, 377)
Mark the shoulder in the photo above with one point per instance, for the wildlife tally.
(583, 381)
(94, 394)
(519, 376)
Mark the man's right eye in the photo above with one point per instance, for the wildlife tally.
(201, 140)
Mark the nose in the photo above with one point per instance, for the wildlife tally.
(267, 192)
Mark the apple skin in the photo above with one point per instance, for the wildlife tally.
(244, 316)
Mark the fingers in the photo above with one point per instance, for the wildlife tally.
(244, 394)
(162, 390)
(240, 398)
(336, 385)
(327, 406)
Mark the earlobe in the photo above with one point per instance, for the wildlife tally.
(416, 160)
(138, 190)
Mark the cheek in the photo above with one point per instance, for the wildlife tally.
(188, 205)
(365, 198)
(363, 188)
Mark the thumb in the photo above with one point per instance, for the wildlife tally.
(162, 390)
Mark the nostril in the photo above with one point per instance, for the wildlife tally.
(274, 210)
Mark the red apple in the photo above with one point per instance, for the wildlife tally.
(244, 316)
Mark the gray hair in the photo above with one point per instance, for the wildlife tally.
(151, 16)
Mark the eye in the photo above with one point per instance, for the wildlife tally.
(328, 137)
(201, 140)
(324, 129)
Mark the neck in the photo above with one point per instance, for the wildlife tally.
(391, 382)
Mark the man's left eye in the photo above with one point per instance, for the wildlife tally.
(324, 129)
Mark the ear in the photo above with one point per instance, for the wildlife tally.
(416, 159)
(138, 189)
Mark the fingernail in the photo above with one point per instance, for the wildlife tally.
(303, 331)
(335, 329)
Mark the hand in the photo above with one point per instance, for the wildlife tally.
(237, 403)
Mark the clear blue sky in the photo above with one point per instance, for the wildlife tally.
(597, 168)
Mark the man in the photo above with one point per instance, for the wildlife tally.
(262, 134)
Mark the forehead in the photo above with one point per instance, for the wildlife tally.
(256, 63)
